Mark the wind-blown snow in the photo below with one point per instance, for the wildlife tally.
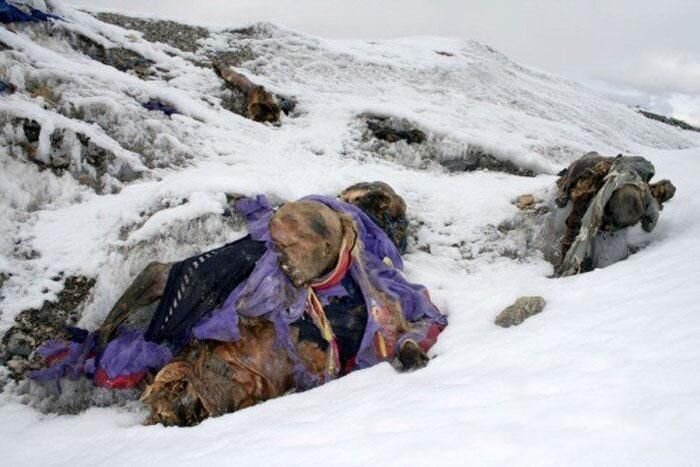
(608, 374)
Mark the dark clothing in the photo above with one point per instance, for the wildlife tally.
(200, 284)
(348, 318)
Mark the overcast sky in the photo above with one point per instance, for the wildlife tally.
(644, 52)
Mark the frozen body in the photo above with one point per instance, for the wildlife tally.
(606, 375)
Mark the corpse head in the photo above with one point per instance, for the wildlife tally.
(384, 206)
(625, 207)
(308, 235)
(662, 190)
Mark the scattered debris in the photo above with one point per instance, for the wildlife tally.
(525, 202)
(669, 120)
(35, 326)
(180, 36)
(522, 309)
(7, 87)
(158, 106)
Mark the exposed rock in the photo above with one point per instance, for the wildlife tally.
(668, 120)
(3, 278)
(20, 344)
(180, 36)
(234, 57)
(45, 92)
(522, 309)
(400, 139)
(35, 326)
(386, 129)
(476, 159)
(118, 57)
(94, 162)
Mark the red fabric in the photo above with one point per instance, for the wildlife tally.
(58, 356)
(431, 337)
(338, 273)
(120, 382)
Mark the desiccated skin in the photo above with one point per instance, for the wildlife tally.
(260, 105)
(308, 235)
(580, 182)
(211, 379)
(384, 206)
(146, 289)
(412, 357)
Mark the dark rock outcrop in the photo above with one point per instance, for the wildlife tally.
(178, 35)
(35, 326)
(384, 128)
(668, 120)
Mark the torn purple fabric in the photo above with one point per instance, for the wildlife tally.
(269, 293)
(130, 353)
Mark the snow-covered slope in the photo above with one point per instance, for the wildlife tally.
(608, 374)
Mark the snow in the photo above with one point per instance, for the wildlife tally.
(607, 374)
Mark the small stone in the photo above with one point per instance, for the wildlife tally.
(525, 202)
(522, 309)
(17, 365)
(20, 344)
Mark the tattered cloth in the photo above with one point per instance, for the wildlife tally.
(625, 170)
(267, 292)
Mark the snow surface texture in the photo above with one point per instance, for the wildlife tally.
(608, 374)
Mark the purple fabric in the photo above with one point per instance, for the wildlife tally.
(79, 359)
(130, 353)
(269, 293)
(415, 304)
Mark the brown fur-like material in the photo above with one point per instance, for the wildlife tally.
(209, 379)
(260, 105)
(662, 191)
(383, 205)
(582, 181)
